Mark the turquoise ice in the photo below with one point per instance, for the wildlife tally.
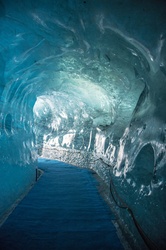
(85, 82)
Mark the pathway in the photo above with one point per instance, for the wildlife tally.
(63, 211)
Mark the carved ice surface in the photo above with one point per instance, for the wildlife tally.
(85, 81)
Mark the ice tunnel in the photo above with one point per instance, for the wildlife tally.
(85, 82)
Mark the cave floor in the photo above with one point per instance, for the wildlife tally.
(63, 210)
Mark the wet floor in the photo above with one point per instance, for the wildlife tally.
(62, 211)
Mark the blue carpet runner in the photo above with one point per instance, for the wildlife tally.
(63, 211)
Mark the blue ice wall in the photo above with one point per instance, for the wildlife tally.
(86, 78)
(17, 161)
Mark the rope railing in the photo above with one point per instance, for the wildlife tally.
(149, 243)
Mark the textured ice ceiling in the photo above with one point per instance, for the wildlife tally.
(85, 81)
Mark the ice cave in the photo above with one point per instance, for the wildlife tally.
(85, 82)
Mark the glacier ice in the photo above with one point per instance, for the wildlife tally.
(85, 82)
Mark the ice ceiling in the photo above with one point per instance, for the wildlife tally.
(85, 81)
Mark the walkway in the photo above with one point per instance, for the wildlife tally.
(63, 211)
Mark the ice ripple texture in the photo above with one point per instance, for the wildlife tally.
(85, 81)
